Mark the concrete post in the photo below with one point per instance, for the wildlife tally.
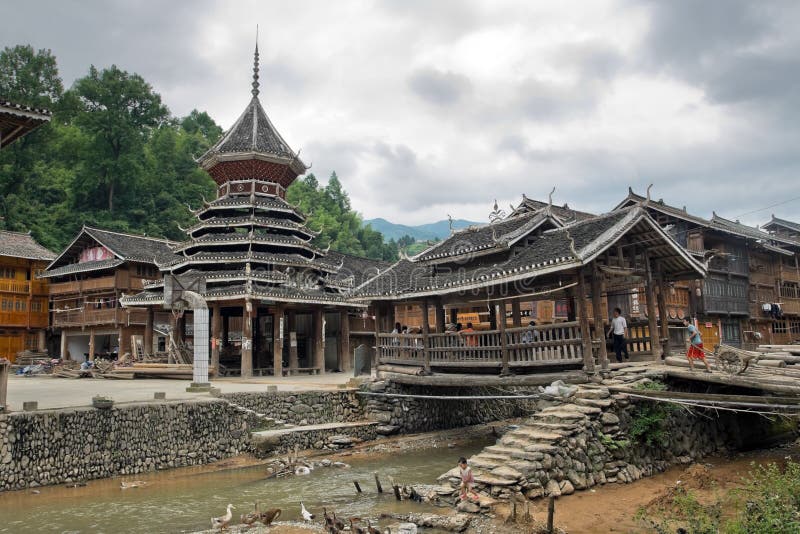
(247, 340)
(64, 355)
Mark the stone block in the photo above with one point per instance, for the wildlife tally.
(159, 395)
(30, 406)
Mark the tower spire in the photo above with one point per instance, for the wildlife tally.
(255, 68)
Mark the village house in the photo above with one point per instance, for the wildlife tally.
(87, 280)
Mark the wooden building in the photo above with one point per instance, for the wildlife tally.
(86, 282)
(260, 270)
(531, 255)
(746, 266)
(23, 298)
(786, 276)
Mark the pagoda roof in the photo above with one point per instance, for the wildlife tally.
(553, 251)
(250, 238)
(17, 120)
(292, 260)
(252, 136)
(270, 203)
(777, 222)
(564, 213)
(23, 245)
(251, 220)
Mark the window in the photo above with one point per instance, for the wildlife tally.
(7, 272)
(779, 327)
(794, 327)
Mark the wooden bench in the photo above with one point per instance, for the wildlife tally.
(310, 370)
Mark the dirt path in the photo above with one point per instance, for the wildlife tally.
(612, 508)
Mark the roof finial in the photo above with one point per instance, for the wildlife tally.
(255, 67)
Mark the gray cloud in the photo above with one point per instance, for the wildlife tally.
(438, 87)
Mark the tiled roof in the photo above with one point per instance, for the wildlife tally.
(479, 240)
(565, 213)
(252, 134)
(551, 251)
(250, 220)
(17, 120)
(775, 221)
(22, 245)
(72, 268)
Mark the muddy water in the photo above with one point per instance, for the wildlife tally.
(184, 500)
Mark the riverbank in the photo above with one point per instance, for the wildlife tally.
(614, 507)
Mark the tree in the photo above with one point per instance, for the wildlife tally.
(30, 78)
(405, 241)
(121, 110)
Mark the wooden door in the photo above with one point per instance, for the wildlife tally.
(709, 330)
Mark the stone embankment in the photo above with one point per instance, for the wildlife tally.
(584, 441)
(303, 408)
(69, 446)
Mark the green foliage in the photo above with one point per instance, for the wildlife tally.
(772, 501)
(613, 444)
(114, 157)
(651, 385)
(649, 423)
(338, 225)
(405, 241)
(686, 514)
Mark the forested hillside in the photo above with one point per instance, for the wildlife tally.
(114, 156)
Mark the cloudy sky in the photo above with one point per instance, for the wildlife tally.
(426, 108)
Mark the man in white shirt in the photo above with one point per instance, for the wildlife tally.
(619, 328)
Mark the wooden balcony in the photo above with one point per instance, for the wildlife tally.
(119, 281)
(760, 278)
(725, 305)
(91, 317)
(34, 320)
(790, 306)
(790, 275)
(23, 286)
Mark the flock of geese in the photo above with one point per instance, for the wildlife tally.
(332, 524)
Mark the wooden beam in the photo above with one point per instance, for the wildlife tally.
(500, 319)
(345, 360)
(663, 315)
(440, 320)
(426, 328)
(516, 313)
(278, 328)
(148, 331)
(583, 318)
(597, 310)
(650, 295)
(319, 339)
(292, 328)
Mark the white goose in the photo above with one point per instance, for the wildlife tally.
(307, 516)
(222, 521)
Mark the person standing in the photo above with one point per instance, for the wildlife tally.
(619, 329)
(695, 351)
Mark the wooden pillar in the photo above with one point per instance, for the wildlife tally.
(5, 370)
(376, 309)
(148, 332)
(291, 326)
(91, 344)
(440, 320)
(225, 329)
(180, 327)
(500, 319)
(516, 313)
(650, 295)
(64, 355)
(579, 297)
(663, 317)
(426, 330)
(319, 340)
(216, 342)
(454, 315)
(345, 359)
(247, 340)
(277, 340)
(597, 310)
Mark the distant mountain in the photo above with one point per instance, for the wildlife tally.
(422, 232)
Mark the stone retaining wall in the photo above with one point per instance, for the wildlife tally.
(409, 415)
(63, 446)
(320, 439)
(303, 408)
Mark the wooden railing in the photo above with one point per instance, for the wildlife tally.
(88, 317)
(545, 345)
(791, 306)
(15, 286)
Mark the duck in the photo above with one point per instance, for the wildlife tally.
(222, 521)
(338, 523)
(129, 485)
(327, 517)
(270, 515)
(302, 470)
(307, 516)
(372, 530)
(251, 517)
(356, 529)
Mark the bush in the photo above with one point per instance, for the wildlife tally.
(772, 501)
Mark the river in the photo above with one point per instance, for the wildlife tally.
(184, 500)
